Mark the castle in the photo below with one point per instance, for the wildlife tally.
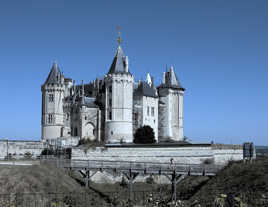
(112, 108)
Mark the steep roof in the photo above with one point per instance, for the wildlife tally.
(54, 75)
(119, 64)
(170, 80)
(144, 89)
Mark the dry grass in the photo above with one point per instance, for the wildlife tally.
(247, 181)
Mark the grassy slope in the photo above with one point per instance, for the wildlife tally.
(247, 181)
(43, 179)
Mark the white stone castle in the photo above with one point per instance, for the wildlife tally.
(112, 108)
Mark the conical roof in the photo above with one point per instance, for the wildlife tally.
(54, 75)
(171, 80)
(119, 64)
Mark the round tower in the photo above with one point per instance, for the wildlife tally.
(170, 119)
(52, 104)
(118, 101)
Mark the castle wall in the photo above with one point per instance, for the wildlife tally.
(181, 154)
(150, 113)
(170, 114)
(51, 126)
(90, 123)
(119, 109)
(17, 149)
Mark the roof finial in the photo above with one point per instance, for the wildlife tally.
(119, 39)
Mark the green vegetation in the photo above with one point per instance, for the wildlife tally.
(144, 135)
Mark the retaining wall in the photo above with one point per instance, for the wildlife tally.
(186, 154)
(20, 149)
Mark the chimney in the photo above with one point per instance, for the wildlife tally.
(164, 78)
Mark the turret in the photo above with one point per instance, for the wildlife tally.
(118, 100)
(52, 105)
(170, 119)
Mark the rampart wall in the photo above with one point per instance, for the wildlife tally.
(186, 154)
(18, 149)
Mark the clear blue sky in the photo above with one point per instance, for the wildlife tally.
(219, 49)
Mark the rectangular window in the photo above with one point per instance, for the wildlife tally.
(148, 111)
(110, 115)
(50, 97)
(152, 111)
(50, 119)
(110, 102)
(110, 89)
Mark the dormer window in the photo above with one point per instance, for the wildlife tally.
(51, 98)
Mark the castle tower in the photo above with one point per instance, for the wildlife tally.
(170, 120)
(118, 100)
(52, 105)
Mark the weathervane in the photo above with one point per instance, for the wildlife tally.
(119, 40)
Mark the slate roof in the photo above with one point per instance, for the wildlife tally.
(144, 89)
(54, 75)
(171, 81)
(118, 64)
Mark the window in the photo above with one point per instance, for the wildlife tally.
(148, 111)
(50, 97)
(75, 132)
(110, 115)
(110, 89)
(50, 118)
(110, 102)
(67, 116)
(152, 111)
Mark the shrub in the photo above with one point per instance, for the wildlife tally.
(28, 155)
(83, 141)
(144, 135)
(47, 151)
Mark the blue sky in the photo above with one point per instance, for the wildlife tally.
(219, 50)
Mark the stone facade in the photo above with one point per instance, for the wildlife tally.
(181, 154)
(112, 108)
(17, 149)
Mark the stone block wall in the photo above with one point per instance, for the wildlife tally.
(20, 149)
(191, 154)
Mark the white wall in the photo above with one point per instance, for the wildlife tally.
(17, 149)
(120, 126)
(150, 120)
(52, 130)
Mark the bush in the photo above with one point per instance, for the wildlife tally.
(144, 135)
(47, 151)
(28, 155)
(84, 141)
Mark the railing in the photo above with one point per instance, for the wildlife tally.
(145, 167)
